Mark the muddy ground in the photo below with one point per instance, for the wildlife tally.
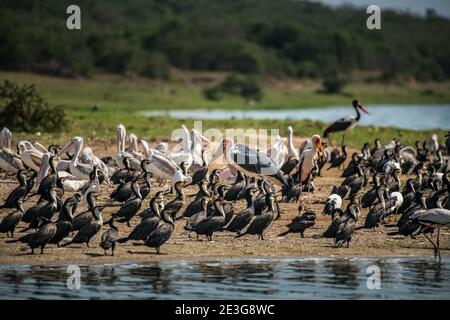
(364, 243)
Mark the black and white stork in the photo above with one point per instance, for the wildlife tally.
(252, 162)
(346, 124)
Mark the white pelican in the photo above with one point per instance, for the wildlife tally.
(80, 170)
(293, 153)
(121, 153)
(250, 161)
(185, 154)
(197, 148)
(163, 167)
(307, 161)
(278, 152)
(31, 156)
(9, 161)
(346, 124)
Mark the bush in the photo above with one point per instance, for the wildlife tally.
(212, 93)
(23, 109)
(333, 84)
(237, 85)
(156, 67)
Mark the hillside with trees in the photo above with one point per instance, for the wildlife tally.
(282, 38)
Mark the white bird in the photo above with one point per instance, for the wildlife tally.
(196, 150)
(80, 170)
(250, 161)
(31, 156)
(293, 153)
(436, 218)
(307, 161)
(333, 202)
(10, 161)
(121, 153)
(278, 152)
(185, 154)
(164, 167)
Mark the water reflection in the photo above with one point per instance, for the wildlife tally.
(234, 279)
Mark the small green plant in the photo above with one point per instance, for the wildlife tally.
(22, 108)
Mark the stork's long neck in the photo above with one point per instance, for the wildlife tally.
(358, 114)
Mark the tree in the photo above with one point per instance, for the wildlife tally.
(23, 109)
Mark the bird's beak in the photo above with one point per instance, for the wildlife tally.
(363, 108)
(319, 148)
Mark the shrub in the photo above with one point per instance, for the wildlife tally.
(237, 85)
(23, 109)
(156, 67)
(333, 84)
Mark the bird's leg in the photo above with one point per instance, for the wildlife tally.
(343, 139)
(437, 245)
(157, 250)
(434, 246)
(128, 224)
(301, 234)
(42, 249)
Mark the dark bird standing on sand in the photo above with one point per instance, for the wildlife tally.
(300, 223)
(39, 239)
(89, 229)
(149, 222)
(199, 216)
(343, 217)
(211, 223)
(338, 160)
(47, 210)
(235, 191)
(109, 237)
(161, 234)
(346, 228)
(129, 209)
(174, 206)
(64, 222)
(346, 124)
(243, 218)
(261, 221)
(15, 198)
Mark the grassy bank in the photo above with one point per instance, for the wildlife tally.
(95, 106)
(184, 91)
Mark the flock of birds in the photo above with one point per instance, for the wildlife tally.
(57, 179)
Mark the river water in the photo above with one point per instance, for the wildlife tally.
(414, 117)
(306, 278)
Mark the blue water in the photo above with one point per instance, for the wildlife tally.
(307, 278)
(414, 117)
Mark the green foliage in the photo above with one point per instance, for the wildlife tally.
(156, 66)
(237, 85)
(333, 84)
(23, 109)
(276, 38)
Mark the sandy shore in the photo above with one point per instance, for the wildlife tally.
(364, 243)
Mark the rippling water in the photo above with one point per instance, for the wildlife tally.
(400, 278)
(414, 117)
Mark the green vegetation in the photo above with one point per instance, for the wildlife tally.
(95, 106)
(112, 94)
(281, 38)
(237, 85)
(23, 109)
